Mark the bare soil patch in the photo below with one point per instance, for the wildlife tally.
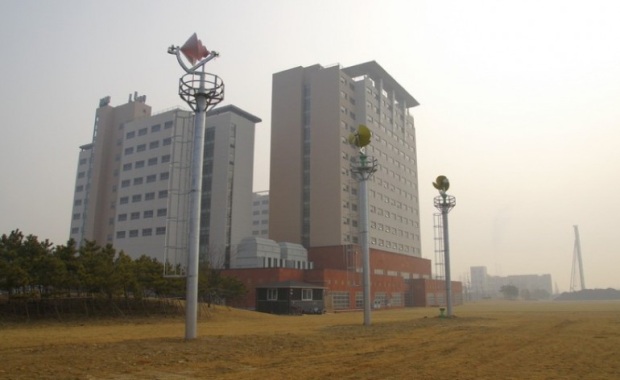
(501, 340)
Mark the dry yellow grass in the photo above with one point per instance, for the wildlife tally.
(500, 340)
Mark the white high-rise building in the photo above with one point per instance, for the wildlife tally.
(133, 179)
(313, 195)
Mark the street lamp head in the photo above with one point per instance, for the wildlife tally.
(442, 184)
(361, 137)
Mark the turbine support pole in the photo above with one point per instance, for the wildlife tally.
(363, 169)
(201, 91)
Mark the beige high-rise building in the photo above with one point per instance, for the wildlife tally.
(133, 180)
(313, 194)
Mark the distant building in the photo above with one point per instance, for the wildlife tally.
(260, 214)
(530, 285)
(132, 182)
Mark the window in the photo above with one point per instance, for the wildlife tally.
(138, 181)
(125, 183)
(148, 214)
(75, 230)
(136, 198)
(156, 128)
(142, 132)
(127, 167)
(123, 200)
(133, 233)
(149, 196)
(151, 178)
(141, 148)
(152, 161)
(272, 294)
(77, 216)
(130, 135)
(77, 202)
(135, 215)
(306, 294)
(147, 232)
(81, 174)
(79, 188)
(340, 300)
(139, 164)
(163, 194)
(154, 144)
(164, 176)
(165, 158)
(167, 141)
(162, 212)
(168, 125)
(82, 161)
(122, 217)
(129, 150)
(120, 234)
(160, 231)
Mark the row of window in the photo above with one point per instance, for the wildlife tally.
(392, 245)
(144, 131)
(392, 230)
(164, 176)
(150, 162)
(152, 145)
(392, 215)
(145, 214)
(145, 232)
(147, 197)
(272, 294)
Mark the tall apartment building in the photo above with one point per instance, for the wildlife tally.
(313, 195)
(260, 214)
(132, 185)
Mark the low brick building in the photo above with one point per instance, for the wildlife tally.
(396, 280)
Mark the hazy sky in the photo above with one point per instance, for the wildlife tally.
(519, 106)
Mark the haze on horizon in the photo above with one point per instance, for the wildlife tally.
(518, 106)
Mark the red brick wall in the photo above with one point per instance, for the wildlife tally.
(420, 288)
(339, 257)
(253, 277)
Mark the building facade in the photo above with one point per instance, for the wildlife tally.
(133, 180)
(313, 194)
(260, 214)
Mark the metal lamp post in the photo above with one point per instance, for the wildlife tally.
(445, 203)
(201, 91)
(363, 168)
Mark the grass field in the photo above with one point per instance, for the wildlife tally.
(486, 340)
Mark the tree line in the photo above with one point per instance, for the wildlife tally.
(35, 269)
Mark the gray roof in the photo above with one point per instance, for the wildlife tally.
(233, 109)
(376, 72)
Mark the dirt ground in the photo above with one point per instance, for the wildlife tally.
(486, 340)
